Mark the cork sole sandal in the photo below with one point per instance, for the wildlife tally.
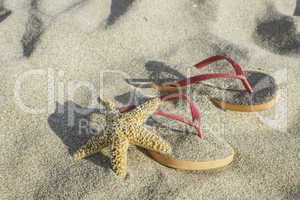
(259, 93)
(195, 154)
(191, 152)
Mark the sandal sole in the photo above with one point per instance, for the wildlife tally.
(191, 165)
(244, 108)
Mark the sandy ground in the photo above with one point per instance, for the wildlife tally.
(57, 56)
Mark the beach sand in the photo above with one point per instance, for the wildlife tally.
(57, 57)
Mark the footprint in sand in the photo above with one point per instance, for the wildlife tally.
(117, 9)
(4, 13)
(35, 25)
(297, 9)
(278, 33)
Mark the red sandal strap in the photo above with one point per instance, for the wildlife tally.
(237, 67)
(181, 119)
(193, 107)
(204, 77)
(239, 73)
(195, 113)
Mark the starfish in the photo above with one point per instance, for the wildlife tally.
(122, 130)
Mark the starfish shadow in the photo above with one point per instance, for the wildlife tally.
(70, 122)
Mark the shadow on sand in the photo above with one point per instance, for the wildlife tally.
(159, 73)
(70, 122)
(278, 33)
(4, 13)
(297, 9)
(117, 9)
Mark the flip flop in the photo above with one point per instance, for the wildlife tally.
(191, 152)
(259, 93)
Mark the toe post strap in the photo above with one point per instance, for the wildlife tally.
(239, 73)
(195, 112)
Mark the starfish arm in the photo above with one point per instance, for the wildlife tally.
(142, 112)
(144, 138)
(96, 121)
(109, 105)
(96, 117)
(119, 149)
(94, 145)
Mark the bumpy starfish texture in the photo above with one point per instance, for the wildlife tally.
(122, 130)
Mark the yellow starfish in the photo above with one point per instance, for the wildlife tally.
(123, 129)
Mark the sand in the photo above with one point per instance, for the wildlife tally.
(56, 57)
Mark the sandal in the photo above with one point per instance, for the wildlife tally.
(193, 154)
(259, 93)
(188, 149)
